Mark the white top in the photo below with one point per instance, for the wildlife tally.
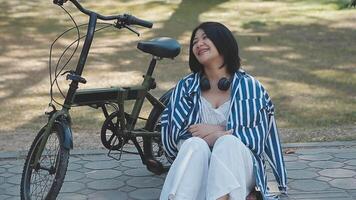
(214, 116)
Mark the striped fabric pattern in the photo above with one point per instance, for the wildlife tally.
(251, 117)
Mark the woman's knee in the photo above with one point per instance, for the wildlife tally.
(227, 140)
(197, 144)
(228, 143)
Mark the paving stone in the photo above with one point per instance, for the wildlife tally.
(103, 174)
(16, 179)
(20, 162)
(132, 163)
(344, 183)
(296, 165)
(84, 170)
(125, 178)
(138, 172)
(313, 169)
(72, 187)
(352, 193)
(74, 158)
(326, 164)
(3, 196)
(13, 198)
(351, 162)
(288, 158)
(6, 185)
(13, 190)
(97, 158)
(350, 167)
(145, 182)
(71, 196)
(309, 151)
(107, 184)
(123, 168)
(316, 157)
(84, 180)
(147, 193)
(81, 162)
(108, 195)
(301, 174)
(323, 178)
(6, 165)
(341, 160)
(320, 195)
(86, 191)
(7, 174)
(93, 178)
(130, 157)
(337, 173)
(16, 169)
(101, 165)
(350, 155)
(127, 188)
(73, 166)
(309, 185)
(73, 175)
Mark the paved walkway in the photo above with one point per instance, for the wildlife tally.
(315, 171)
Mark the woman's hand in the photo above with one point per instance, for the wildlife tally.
(210, 133)
(212, 137)
(202, 130)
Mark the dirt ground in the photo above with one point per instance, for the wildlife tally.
(303, 52)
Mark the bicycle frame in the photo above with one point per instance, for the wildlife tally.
(119, 95)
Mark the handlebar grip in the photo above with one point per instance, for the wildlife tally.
(131, 20)
(59, 2)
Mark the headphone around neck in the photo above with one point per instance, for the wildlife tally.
(223, 84)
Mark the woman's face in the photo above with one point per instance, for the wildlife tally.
(205, 50)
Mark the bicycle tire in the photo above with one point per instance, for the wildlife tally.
(56, 171)
(152, 146)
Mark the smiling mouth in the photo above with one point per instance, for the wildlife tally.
(202, 51)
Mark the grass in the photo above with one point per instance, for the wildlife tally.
(303, 51)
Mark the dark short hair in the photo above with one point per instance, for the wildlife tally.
(224, 42)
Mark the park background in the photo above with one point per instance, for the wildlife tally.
(303, 52)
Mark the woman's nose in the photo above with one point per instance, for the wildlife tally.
(199, 43)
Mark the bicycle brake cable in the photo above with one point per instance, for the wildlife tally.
(57, 73)
(50, 56)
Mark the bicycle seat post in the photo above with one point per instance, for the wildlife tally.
(152, 65)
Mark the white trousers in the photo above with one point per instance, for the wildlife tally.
(201, 174)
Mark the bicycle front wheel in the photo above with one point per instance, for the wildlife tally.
(45, 180)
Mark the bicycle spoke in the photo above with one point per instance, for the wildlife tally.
(42, 176)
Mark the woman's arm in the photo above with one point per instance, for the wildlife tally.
(273, 148)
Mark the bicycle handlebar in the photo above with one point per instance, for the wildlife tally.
(125, 19)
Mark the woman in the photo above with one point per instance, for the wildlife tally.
(219, 125)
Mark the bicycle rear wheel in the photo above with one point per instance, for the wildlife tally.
(153, 148)
(45, 180)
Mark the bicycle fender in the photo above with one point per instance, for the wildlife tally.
(67, 135)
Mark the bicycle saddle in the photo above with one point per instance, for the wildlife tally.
(162, 47)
